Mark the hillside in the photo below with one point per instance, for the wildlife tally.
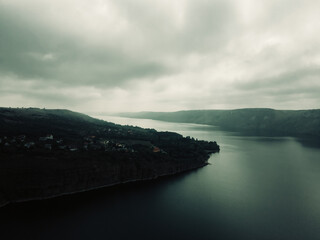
(47, 153)
(255, 121)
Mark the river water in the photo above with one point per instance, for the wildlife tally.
(255, 188)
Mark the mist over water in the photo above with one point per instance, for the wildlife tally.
(255, 188)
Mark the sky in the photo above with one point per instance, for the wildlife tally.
(161, 55)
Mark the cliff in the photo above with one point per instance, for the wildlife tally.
(47, 153)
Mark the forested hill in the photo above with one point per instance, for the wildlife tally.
(37, 121)
(76, 130)
(47, 153)
(257, 121)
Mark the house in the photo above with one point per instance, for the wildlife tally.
(48, 146)
(29, 145)
(49, 137)
(21, 138)
(119, 145)
(85, 146)
(156, 149)
(104, 142)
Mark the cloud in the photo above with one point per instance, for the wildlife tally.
(293, 78)
(107, 55)
(37, 52)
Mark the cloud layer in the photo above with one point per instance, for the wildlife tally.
(103, 55)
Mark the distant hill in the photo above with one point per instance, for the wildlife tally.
(254, 121)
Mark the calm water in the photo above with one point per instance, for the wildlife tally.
(255, 188)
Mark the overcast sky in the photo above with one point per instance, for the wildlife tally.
(159, 55)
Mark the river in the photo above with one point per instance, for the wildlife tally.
(255, 188)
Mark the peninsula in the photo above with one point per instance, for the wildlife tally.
(47, 153)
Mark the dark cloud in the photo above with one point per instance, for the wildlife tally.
(159, 55)
(31, 51)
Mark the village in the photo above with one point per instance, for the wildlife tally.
(86, 143)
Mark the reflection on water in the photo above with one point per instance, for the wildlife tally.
(255, 188)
